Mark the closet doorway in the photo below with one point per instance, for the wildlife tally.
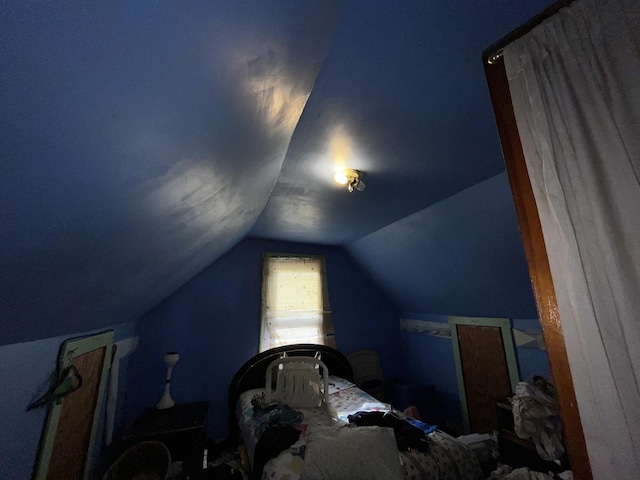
(485, 366)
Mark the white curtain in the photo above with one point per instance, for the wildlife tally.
(292, 301)
(575, 86)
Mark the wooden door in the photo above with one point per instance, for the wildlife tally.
(486, 368)
(71, 424)
(73, 437)
(485, 372)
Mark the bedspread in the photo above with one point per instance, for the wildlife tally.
(447, 459)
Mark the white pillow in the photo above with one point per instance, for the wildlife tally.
(351, 453)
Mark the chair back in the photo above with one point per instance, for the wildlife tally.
(297, 382)
(367, 373)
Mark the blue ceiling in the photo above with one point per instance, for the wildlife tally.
(401, 96)
(141, 140)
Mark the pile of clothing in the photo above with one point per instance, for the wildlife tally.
(536, 415)
(505, 472)
(409, 433)
(276, 431)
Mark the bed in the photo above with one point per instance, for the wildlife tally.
(327, 447)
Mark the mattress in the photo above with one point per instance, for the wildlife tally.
(447, 459)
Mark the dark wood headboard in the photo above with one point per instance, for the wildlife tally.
(253, 373)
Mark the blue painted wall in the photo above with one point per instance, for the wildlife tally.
(213, 321)
(25, 367)
(430, 359)
(462, 256)
(531, 360)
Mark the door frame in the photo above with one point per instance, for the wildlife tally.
(69, 349)
(534, 245)
(509, 353)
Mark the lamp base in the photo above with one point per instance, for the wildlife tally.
(170, 360)
(165, 402)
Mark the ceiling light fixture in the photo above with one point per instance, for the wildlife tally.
(351, 178)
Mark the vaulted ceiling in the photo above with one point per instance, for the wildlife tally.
(141, 140)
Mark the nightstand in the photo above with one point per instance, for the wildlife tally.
(181, 428)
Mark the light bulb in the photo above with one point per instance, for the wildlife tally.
(341, 177)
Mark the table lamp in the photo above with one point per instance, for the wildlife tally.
(170, 359)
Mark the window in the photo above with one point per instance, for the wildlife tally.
(295, 303)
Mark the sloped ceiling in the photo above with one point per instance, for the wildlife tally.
(403, 97)
(142, 140)
(461, 256)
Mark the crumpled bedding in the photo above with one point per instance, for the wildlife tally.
(447, 459)
(366, 453)
(536, 415)
(505, 472)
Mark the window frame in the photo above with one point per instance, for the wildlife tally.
(328, 333)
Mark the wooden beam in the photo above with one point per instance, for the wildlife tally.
(539, 271)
